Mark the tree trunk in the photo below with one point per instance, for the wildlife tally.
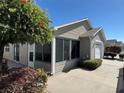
(1, 57)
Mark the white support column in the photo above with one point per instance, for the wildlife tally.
(103, 50)
(70, 49)
(53, 56)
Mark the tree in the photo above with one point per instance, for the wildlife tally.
(113, 49)
(22, 21)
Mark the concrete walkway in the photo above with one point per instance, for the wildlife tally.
(101, 80)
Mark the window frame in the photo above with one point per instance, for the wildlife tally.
(7, 48)
(70, 49)
(77, 49)
(16, 57)
(62, 58)
(42, 53)
(67, 50)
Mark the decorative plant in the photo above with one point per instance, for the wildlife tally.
(91, 64)
(24, 80)
(22, 21)
(121, 56)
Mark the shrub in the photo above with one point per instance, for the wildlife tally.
(23, 80)
(91, 64)
(110, 54)
(121, 55)
(113, 49)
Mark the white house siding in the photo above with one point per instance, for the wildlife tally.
(66, 65)
(45, 65)
(70, 32)
(93, 46)
(23, 53)
(84, 48)
(9, 54)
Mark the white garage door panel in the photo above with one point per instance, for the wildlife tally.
(97, 53)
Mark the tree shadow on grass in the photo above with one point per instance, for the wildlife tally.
(120, 85)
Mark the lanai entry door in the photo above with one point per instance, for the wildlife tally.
(31, 55)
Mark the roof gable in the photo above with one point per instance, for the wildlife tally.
(85, 22)
(93, 33)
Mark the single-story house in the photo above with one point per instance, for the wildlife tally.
(70, 43)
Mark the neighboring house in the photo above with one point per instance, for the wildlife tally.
(114, 42)
(70, 43)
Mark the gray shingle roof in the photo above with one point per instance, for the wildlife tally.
(90, 33)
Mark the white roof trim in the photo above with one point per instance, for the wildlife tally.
(98, 41)
(57, 27)
(98, 31)
(101, 29)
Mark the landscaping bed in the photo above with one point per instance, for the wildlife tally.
(91, 64)
(23, 80)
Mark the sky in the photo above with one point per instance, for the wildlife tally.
(106, 13)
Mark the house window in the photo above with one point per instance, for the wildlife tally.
(59, 50)
(63, 49)
(66, 49)
(7, 48)
(16, 52)
(31, 57)
(43, 52)
(78, 49)
(75, 49)
(47, 52)
(38, 52)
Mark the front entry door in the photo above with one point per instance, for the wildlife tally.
(97, 52)
(31, 55)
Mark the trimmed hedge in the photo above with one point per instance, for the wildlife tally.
(23, 80)
(91, 64)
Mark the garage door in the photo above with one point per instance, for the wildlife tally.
(97, 52)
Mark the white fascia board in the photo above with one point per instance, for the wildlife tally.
(98, 31)
(57, 27)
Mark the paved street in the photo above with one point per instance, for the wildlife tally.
(102, 80)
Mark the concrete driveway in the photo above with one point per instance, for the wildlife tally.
(101, 80)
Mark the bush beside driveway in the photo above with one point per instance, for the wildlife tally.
(102, 80)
